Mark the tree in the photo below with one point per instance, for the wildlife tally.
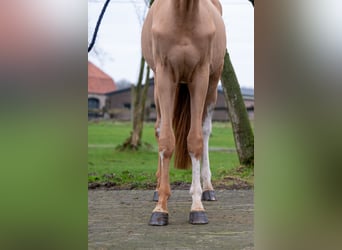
(139, 94)
(243, 134)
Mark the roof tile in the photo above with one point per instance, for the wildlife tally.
(98, 81)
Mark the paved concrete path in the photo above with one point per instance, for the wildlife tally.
(119, 220)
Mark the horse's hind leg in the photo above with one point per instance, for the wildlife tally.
(155, 194)
(208, 190)
(166, 142)
(198, 90)
(157, 132)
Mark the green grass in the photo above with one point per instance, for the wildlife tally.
(137, 169)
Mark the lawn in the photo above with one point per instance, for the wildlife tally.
(106, 165)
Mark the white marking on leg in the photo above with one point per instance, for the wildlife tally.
(158, 129)
(158, 207)
(196, 190)
(161, 154)
(206, 173)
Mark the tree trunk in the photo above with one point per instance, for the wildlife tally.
(143, 102)
(137, 108)
(139, 95)
(243, 134)
(139, 111)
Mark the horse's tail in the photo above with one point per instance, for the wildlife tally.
(181, 126)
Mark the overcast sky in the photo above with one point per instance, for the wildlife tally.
(118, 40)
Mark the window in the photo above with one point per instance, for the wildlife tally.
(93, 103)
(127, 105)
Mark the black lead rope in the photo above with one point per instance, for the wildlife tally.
(91, 45)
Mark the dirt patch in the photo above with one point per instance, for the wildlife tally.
(228, 183)
(233, 183)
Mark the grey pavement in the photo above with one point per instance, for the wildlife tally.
(119, 220)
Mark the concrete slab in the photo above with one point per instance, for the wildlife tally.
(119, 220)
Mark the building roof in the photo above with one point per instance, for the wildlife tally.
(98, 81)
(246, 92)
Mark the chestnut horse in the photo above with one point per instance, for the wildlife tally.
(184, 43)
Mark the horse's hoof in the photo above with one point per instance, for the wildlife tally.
(159, 219)
(155, 196)
(209, 195)
(198, 218)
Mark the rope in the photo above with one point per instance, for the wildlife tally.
(91, 45)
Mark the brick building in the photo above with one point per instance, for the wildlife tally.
(99, 85)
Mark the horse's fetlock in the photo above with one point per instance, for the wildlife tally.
(164, 191)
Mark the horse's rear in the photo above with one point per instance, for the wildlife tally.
(184, 43)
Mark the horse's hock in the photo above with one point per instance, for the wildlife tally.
(118, 220)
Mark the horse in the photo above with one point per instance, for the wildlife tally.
(184, 42)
